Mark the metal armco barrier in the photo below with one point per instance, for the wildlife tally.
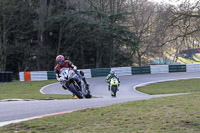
(122, 71)
(100, 72)
(159, 69)
(177, 68)
(193, 67)
(51, 75)
(140, 70)
(103, 72)
(6, 76)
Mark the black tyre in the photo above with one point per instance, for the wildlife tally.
(114, 90)
(74, 91)
(88, 95)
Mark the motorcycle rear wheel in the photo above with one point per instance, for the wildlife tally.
(88, 95)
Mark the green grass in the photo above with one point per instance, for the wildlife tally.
(175, 114)
(27, 90)
(178, 86)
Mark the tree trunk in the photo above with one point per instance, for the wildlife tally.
(3, 42)
(82, 56)
(112, 10)
(111, 52)
(50, 5)
(41, 62)
(97, 58)
(1, 48)
(4, 49)
(59, 38)
(99, 54)
(139, 58)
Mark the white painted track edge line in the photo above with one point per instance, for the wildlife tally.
(41, 90)
(157, 81)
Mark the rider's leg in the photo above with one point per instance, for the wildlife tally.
(118, 85)
(83, 78)
(108, 87)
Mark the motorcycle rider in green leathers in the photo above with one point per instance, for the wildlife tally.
(111, 75)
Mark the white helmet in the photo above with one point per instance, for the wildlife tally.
(112, 72)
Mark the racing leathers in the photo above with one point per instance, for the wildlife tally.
(109, 78)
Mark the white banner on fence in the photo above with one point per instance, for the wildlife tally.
(87, 73)
(122, 71)
(159, 69)
(192, 67)
(39, 75)
(21, 76)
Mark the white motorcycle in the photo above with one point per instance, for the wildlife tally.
(70, 82)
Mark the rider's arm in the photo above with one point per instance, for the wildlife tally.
(57, 74)
(72, 65)
(108, 78)
(117, 78)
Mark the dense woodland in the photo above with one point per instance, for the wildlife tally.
(93, 33)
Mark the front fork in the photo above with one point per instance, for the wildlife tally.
(75, 83)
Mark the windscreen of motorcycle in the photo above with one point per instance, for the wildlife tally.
(64, 73)
(114, 81)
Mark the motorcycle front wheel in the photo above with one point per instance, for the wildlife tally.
(75, 91)
(113, 90)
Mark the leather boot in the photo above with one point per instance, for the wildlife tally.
(108, 88)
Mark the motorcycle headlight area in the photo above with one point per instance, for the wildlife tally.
(65, 75)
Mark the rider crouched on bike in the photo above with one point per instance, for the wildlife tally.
(61, 62)
(111, 75)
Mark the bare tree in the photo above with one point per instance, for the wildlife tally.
(183, 27)
(143, 21)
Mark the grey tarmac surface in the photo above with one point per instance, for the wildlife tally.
(18, 110)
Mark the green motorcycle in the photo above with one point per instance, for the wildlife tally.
(114, 83)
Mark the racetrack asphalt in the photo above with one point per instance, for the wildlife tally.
(16, 111)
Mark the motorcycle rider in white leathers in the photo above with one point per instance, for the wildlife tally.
(61, 62)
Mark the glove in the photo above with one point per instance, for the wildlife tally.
(60, 79)
(107, 81)
(75, 68)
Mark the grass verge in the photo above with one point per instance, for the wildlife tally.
(169, 87)
(27, 90)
